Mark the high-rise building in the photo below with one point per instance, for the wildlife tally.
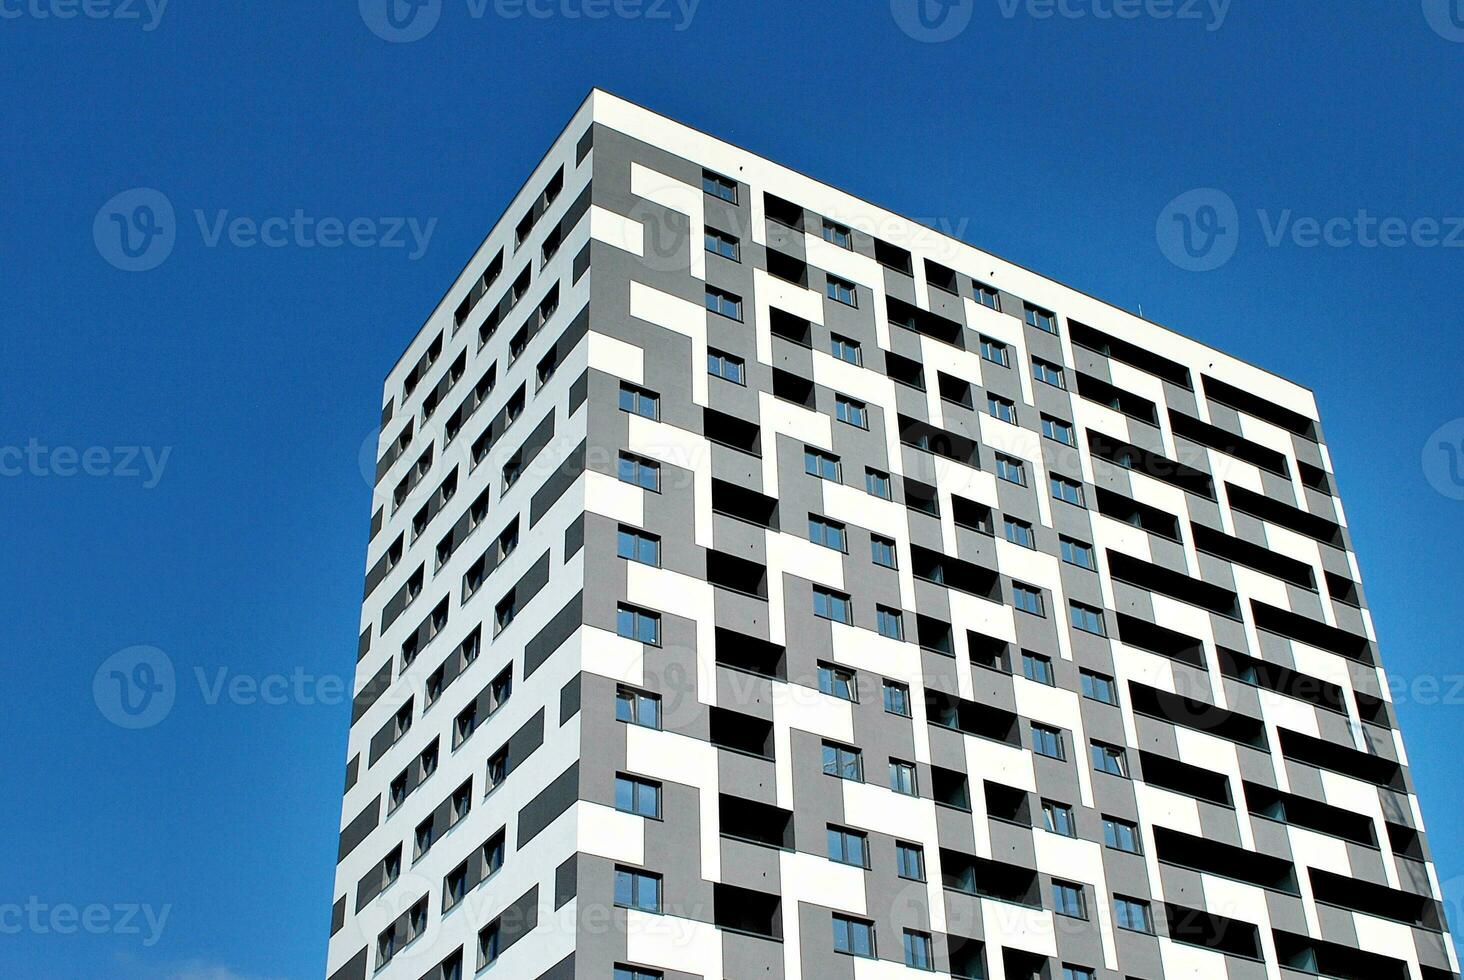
(765, 586)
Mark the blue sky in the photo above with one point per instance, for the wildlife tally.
(181, 445)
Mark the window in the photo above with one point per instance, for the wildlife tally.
(631, 973)
(897, 698)
(1019, 532)
(402, 723)
(637, 707)
(723, 244)
(489, 944)
(454, 886)
(1042, 319)
(1108, 758)
(1132, 914)
(1027, 599)
(1067, 899)
(461, 803)
(837, 234)
(637, 796)
(1057, 818)
(1047, 741)
(853, 936)
(889, 622)
(910, 861)
(828, 533)
(1048, 373)
(639, 401)
(497, 768)
(637, 890)
(1079, 553)
(902, 778)
(508, 540)
(641, 472)
(518, 342)
(718, 186)
(1070, 491)
(512, 470)
(638, 624)
(493, 854)
(637, 545)
(935, 634)
(465, 724)
(996, 352)
(821, 464)
(547, 366)
(1002, 408)
(501, 689)
(1036, 667)
(877, 482)
(848, 847)
(845, 349)
(833, 605)
(882, 550)
(504, 612)
(1077, 973)
(1058, 431)
(391, 868)
(918, 953)
(838, 681)
(842, 291)
(724, 303)
(1121, 835)
(987, 297)
(423, 838)
(842, 761)
(1011, 470)
(851, 411)
(1099, 687)
(1086, 618)
(727, 367)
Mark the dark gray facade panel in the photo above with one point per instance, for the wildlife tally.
(545, 808)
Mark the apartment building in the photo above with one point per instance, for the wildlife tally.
(763, 586)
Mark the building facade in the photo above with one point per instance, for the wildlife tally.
(763, 586)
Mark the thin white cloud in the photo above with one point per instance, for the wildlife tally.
(200, 970)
